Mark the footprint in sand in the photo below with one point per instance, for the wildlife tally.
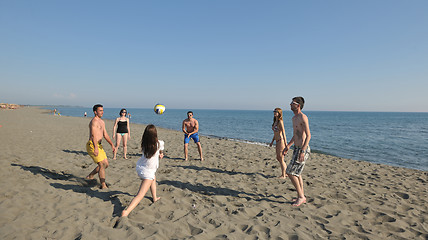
(403, 195)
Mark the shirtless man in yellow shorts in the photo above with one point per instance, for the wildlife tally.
(97, 130)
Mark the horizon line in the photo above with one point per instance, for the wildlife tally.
(218, 109)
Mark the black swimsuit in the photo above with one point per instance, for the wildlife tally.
(122, 127)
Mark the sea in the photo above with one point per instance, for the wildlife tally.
(391, 138)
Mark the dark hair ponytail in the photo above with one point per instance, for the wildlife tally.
(149, 141)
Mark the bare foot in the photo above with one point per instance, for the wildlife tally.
(202, 159)
(186, 159)
(299, 201)
(282, 177)
(156, 199)
(89, 177)
(125, 157)
(104, 186)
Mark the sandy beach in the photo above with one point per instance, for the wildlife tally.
(234, 194)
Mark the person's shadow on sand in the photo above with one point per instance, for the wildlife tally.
(76, 152)
(211, 191)
(82, 186)
(216, 170)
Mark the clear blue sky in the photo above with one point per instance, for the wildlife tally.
(225, 54)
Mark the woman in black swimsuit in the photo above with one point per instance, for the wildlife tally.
(121, 130)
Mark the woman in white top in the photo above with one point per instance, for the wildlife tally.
(147, 166)
(280, 138)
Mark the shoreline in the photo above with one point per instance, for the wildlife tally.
(227, 138)
(234, 194)
(355, 158)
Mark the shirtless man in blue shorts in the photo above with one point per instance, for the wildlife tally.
(190, 128)
(301, 138)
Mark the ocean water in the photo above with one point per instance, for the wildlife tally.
(396, 139)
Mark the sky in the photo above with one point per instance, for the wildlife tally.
(221, 54)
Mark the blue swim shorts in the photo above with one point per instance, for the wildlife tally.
(194, 136)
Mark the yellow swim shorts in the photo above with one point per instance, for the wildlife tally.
(101, 153)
